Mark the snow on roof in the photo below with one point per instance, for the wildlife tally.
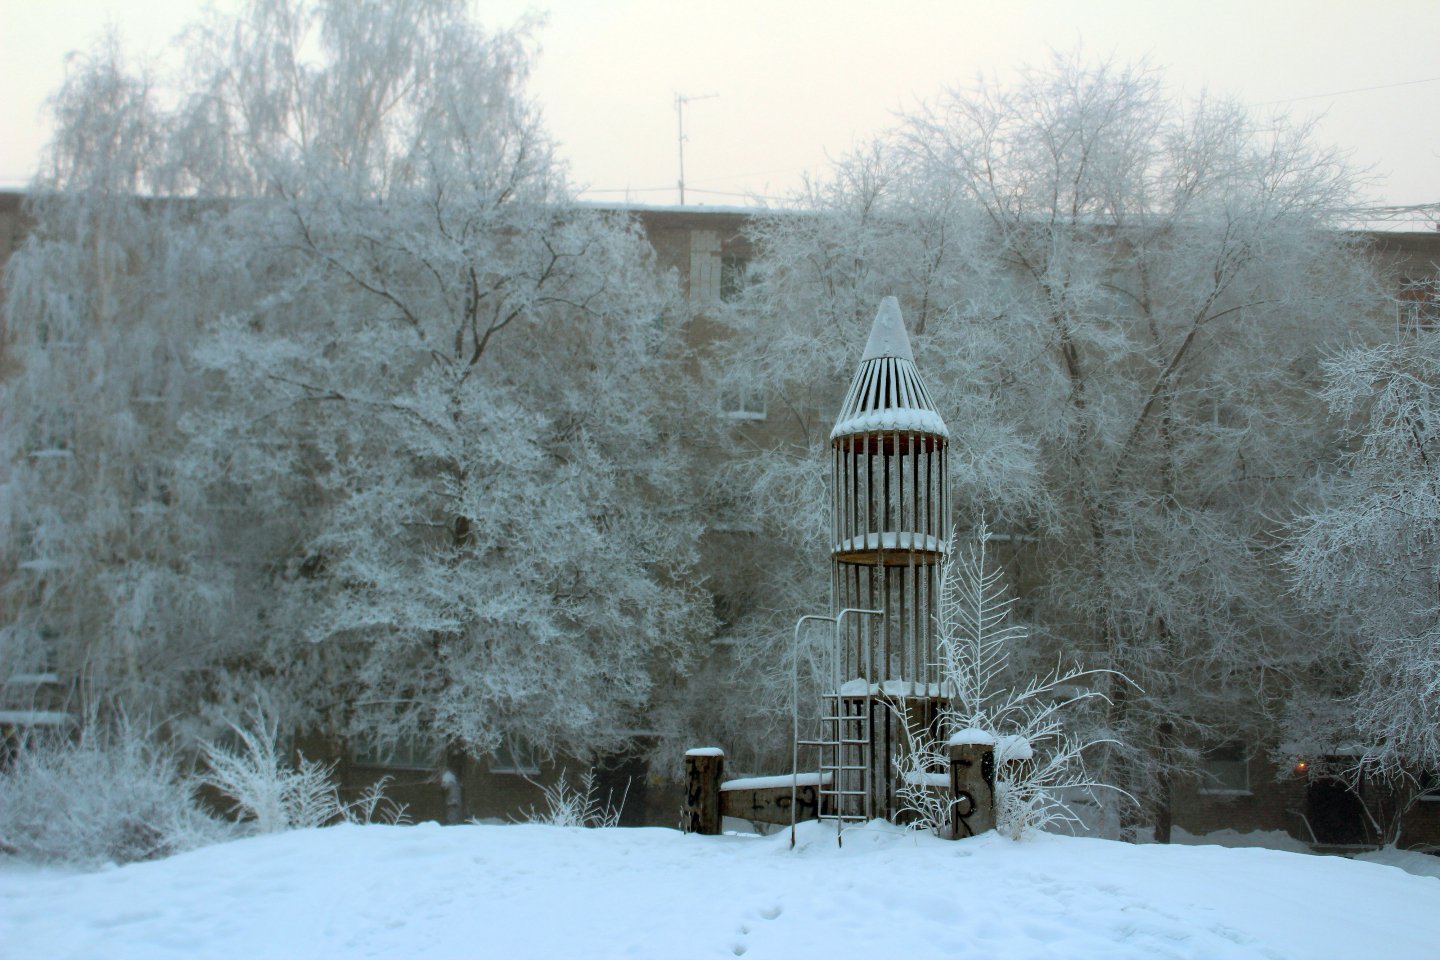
(886, 393)
(904, 419)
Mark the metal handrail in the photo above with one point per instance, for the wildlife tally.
(837, 620)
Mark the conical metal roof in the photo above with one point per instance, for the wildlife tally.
(887, 392)
(887, 335)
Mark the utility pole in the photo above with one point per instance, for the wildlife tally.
(680, 101)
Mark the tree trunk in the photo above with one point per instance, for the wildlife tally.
(1164, 816)
(452, 780)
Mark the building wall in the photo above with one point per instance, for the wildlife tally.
(1286, 798)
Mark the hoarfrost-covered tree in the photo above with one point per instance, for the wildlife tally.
(1117, 299)
(432, 404)
(110, 570)
(1368, 556)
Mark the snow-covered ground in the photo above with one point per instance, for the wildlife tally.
(522, 891)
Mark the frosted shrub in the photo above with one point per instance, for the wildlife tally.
(1037, 764)
(113, 796)
(271, 795)
(566, 806)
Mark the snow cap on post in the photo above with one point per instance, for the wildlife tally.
(887, 336)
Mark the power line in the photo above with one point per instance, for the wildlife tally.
(625, 189)
(1343, 93)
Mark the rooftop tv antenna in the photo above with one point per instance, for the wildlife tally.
(680, 101)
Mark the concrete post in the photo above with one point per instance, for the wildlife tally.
(972, 785)
(704, 772)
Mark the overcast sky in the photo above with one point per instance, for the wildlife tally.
(797, 81)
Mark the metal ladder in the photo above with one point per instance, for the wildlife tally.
(843, 793)
(844, 746)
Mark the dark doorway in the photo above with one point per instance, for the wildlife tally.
(620, 778)
(1336, 813)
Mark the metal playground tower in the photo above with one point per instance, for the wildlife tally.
(889, 538)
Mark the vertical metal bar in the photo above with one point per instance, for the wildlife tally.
(853, 478)
(915, 519)
(881, 507)
(903, 667)
(900, 489)
(912, 638)
(834, 496)
(929, 512)
(795, 727)
(865, 636)
(852, 599)
(851, 501)
(922, 583)
(885, 766)
(869, 490)
(932, 637)
(944, 485)
(886, 621)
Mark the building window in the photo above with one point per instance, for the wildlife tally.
(1419, 304)
(705, 268)
(733, 271)
(1225, 770)
(516, 756)
(405, 753)
(1430, 786)
(743, 404)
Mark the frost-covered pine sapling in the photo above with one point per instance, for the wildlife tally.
(1036, 763)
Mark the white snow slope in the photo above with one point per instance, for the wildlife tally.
(524, 891)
